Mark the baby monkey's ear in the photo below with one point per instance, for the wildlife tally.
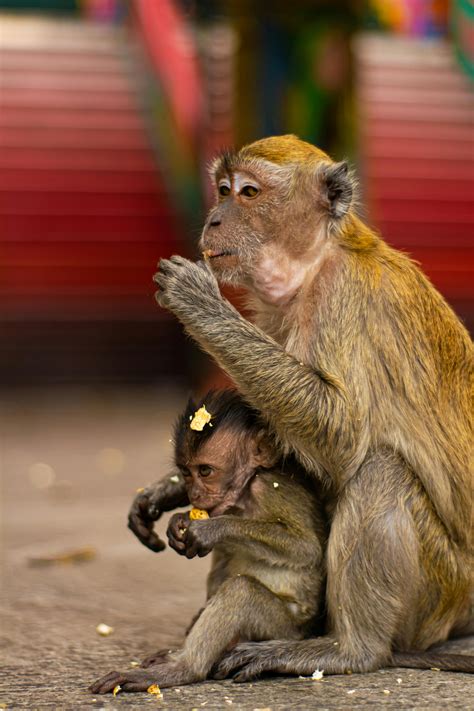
(337, 188)
(265, 452)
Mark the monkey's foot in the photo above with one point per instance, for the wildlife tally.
(249, 660)
(133, 680)
(162, 656)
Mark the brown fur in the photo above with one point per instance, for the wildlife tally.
(365, 373)
(261, 510)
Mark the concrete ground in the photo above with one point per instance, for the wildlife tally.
(71, 462)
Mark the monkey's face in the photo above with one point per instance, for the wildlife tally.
(271, 221)
(217, 474)
(208, 472)
(240, 223)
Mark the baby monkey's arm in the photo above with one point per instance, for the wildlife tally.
(164, 495)
(277, 518)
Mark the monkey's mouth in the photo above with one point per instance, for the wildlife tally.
(216, 254)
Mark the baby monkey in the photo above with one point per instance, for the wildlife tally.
(267, 532)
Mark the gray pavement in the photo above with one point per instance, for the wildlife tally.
(71, 461)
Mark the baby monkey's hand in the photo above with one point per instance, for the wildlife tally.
(191, 537)
(201, 537)
(176, 531)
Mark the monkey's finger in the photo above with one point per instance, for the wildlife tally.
(161, 299)
(177, 546)
(146, 535)
(191, 550)
(142, 529)
(245, 674)
(161, 278)
(137, 685)
(203, 551)
(180, 261)
(164, 266)
(107, 683)
(142, 508)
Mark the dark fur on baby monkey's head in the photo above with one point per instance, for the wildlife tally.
(227, 410)
(218, 461)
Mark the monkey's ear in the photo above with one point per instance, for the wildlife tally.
(337, 188)
(265, 452)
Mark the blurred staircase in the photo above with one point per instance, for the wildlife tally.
(417, 152)
(84, 216)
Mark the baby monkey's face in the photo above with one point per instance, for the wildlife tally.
(208, 472)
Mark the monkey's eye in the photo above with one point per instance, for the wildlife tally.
(249, 191)
(185, 472)
(205, 470)
(224, 190)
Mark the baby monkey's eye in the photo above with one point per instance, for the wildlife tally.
(205, 470)
(224, 190)
(249, 191)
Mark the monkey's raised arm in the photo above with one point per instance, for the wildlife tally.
(166, 494)
(307, 407)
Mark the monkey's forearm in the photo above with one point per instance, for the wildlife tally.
(274, 541)
(168, 493)
(299, 401)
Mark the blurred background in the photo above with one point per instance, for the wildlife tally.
(109, 112)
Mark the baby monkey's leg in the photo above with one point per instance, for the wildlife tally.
(241, 609)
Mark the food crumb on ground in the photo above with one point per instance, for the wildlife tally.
(104, 630)
(155, 690)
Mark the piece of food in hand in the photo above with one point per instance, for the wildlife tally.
(200, 419)
(198, 514)
(207, 253)
(116, 689)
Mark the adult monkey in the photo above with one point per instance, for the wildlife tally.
(365, 373)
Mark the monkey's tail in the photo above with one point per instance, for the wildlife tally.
(431, 660)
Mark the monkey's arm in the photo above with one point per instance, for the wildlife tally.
(278, 515)
(273, 542)
(164, 495)
(306, 406)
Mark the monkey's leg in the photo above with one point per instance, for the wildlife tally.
(373, 583)
(242, 608)
(162, 655)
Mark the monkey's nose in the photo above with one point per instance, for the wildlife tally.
(215, 222)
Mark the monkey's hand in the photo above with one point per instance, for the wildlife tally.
(192, 538)
(149, 504)
(184, 285)
(177, 529)
(201, 537)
